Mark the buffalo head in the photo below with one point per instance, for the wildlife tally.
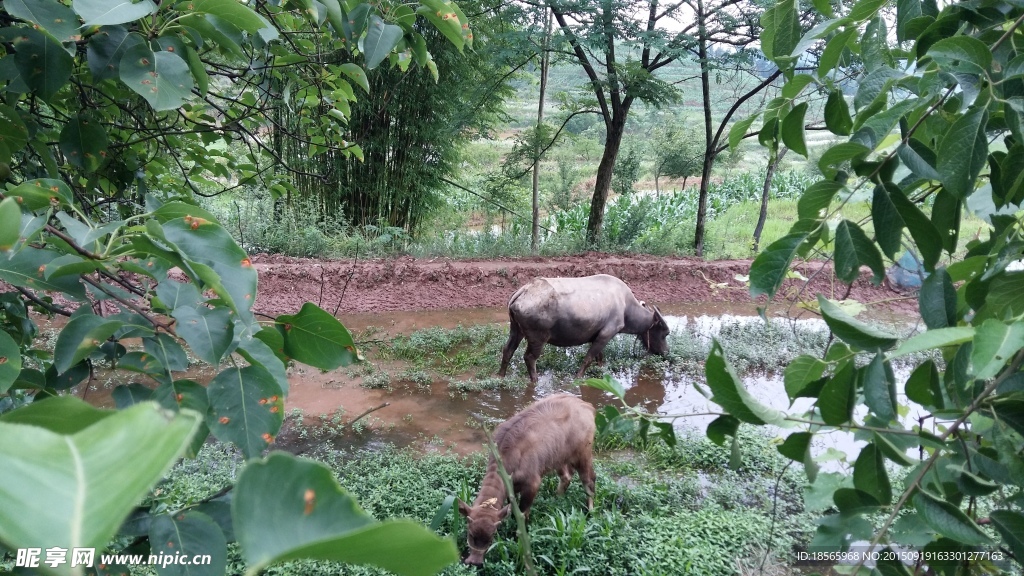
(655, 339)
(482, 522)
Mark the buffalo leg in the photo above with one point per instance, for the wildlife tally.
(527, 492)
(596, 351)
(585, 468)
(533, 350)
(564, 478)
(514, 338)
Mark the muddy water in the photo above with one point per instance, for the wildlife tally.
(438, 420)
(434, 418)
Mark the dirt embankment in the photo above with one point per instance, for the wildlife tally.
(406, 283)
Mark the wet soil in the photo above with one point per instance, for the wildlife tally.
(406, 283)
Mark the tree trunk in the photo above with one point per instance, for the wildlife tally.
(709, 151)
(615, 129)
(544, 60)
(772, 166)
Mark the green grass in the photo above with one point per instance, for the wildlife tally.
(658, 509)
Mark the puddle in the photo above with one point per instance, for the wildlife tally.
(434, 417)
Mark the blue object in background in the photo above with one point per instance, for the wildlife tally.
(907, 273)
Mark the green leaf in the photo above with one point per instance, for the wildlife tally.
(853, 331)
(10, 361)
(443, 17)
(840, 153)
(937, 300)
(316, 338)
(854, 248)
(246, 408)
(44, 65)
(830, 56)
(948, 520)
(129, 395)
(797, 447)
(796, 85)
(769, 268)
(931, 339)
(105, 49)
(59, 414)
(906, 10)
(41, 193)
(57, 19)
(837, 114)
(85, 503)
(84, 143)
(919, 159)
(188, 212)
(816, 199)
(995, 344)
(220, 263)
(27, 268)
(730, 394)
(103, 12)
(924, 233)
(357, 74)
(869, 474)
(608, 384)
(836, 399)
(167, 352)
(887, 222)
(962, 152)
(891, 451)
(739, 130)
(719, 428)
(238, 14)
(173, 294)
(1010, 525)
(865, 9)
(79, 338)
(192, 534)
(781, 30)
(285, 508)
(923, 385)
(879, 388)
(256, 351)
(962, 54)
(162, 78)
(800, 373)
(10, 223)
(209, 332)
(793, 129)
(381, 39)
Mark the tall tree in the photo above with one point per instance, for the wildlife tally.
(621, 44)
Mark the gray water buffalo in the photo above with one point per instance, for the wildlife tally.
(574, 311)
(554, 434)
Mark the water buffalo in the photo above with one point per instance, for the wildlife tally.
(554, 434)
(574, 311)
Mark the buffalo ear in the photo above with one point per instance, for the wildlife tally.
(463, 508)
(658, 318)
(503, 512)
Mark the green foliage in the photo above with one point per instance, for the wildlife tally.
(657, 509)
(112, 115)
(957, 150)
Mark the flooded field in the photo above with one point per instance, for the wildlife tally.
(388, 401)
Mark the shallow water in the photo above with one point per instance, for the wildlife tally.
(437, 418)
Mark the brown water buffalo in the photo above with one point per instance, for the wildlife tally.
(574, 311)
(554, 434)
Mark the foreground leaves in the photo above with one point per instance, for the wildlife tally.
(286, 508)
(85, 504)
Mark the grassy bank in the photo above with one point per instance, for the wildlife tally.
(658, 510)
